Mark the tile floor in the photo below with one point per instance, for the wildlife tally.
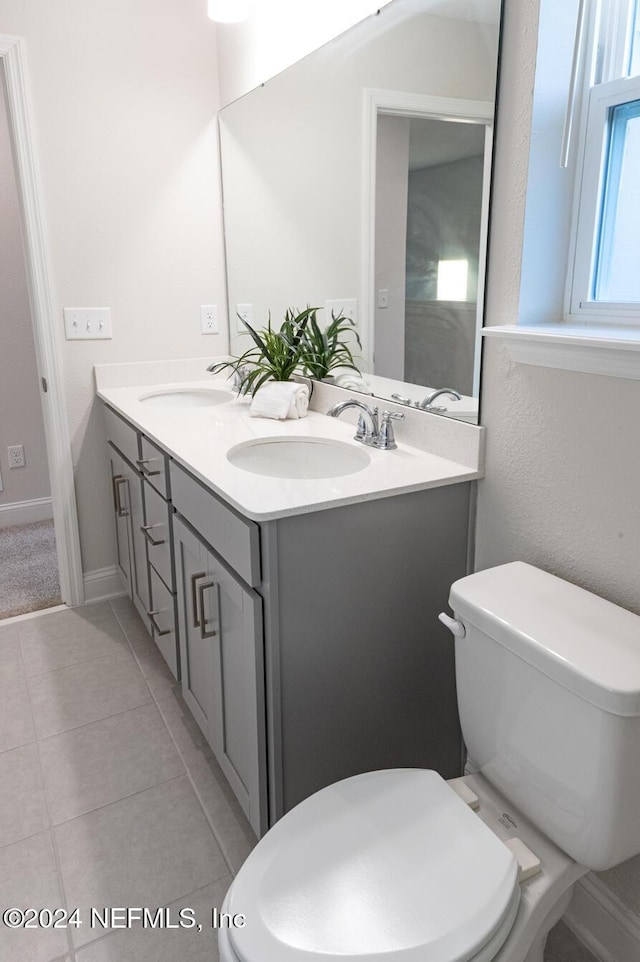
(109, 795)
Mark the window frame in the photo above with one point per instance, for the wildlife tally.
(609, 41)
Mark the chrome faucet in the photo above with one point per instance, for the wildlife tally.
(368, 431)
(427, 401)
(239, 373)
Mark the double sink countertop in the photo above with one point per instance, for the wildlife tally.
(200, 438)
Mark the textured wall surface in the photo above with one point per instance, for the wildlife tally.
(563, 450)
(124, 113)
(20, 409)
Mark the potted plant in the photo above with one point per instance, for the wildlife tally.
(324, 350)
(274, 356)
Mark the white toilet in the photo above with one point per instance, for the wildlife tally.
(401, 866)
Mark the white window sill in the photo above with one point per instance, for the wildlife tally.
(614, 351)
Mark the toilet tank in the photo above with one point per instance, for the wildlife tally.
(548, 680)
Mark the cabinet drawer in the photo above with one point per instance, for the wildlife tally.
(163, 621)
(122, 435)
(234, 538)
(153, 464)
(157, 531)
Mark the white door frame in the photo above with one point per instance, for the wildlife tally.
(56, 427)
(404, 104)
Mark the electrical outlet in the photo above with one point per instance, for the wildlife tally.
(87, 323)
(16, 455)
(209, 318)
(347, 306)
(244, 312)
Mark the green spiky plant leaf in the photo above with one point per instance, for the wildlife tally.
(274, 356)
(324, 351)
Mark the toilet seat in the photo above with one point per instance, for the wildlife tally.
(388, 864)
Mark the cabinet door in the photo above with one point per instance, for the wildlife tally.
(121, 510)
(231, 616)
(196, 653)
(220, 629)
(137, 544)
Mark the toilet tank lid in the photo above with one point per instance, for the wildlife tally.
(588, 645)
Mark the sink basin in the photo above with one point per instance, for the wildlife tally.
(186, 397)
(298, 457)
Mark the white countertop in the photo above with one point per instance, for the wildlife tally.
(200, 438)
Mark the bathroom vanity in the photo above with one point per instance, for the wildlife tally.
(300, 616)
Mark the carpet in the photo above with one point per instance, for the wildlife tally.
(28, 569)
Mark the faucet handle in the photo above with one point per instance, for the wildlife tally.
(387, 440)
(367, 436)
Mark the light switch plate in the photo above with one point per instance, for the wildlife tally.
(87, 323)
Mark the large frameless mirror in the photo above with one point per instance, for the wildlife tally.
(358, 180)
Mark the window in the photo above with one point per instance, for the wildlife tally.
(606, 270)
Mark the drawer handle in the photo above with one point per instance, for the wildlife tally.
(142, 464)
(121, 510)
(194, 599)
(146, 529)
(204, 632)
(156, 627)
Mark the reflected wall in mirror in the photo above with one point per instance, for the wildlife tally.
(360, 174)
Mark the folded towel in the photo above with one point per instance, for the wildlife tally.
(280, 400)
(353, 383)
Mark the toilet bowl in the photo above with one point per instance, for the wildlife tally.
(397, 865)
(402, 866)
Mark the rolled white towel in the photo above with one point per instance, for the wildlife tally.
(353, 382)
(280, 400)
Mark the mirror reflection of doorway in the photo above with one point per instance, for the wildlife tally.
(429, 191)
(29, 575)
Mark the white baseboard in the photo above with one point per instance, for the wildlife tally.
(102, 583)
(599, 919)
(25, 512)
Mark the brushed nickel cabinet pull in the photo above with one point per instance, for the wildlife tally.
(204, 633)
(142, 464)
(156, 627)
(121, 511)
(194, 598)
(114, 490)
(146, 529)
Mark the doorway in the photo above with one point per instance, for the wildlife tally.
(44, 497)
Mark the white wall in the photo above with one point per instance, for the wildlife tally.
(124, 103)
(563, 456)
(278, 33)
(20, 408)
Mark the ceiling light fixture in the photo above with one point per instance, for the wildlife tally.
(228, 11)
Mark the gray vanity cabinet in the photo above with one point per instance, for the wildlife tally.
(221, 647)
(360, 672)
(309, 646)
(143, 530)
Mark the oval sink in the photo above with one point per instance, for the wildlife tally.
(298, 457)
(186, 397)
